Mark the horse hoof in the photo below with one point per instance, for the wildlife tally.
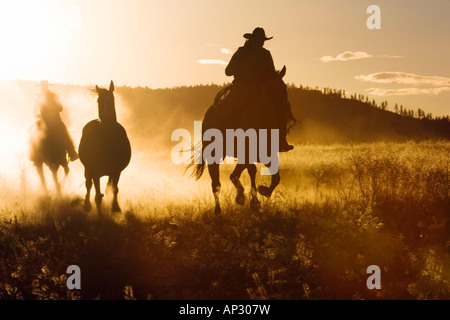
(87, 207)
(255, 205)
(240, 198)
(115, 208)
(265, 191)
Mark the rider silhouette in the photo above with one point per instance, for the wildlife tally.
(251, 65)
(47, 108)
(251, 62)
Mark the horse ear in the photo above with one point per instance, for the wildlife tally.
(97, 88)
(282, 73)
(111, 86)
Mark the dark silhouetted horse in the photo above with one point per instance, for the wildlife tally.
(104, 149)
(257, 115)
(50, 149)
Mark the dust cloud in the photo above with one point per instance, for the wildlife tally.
(150, 176)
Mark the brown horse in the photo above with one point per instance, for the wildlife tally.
(49, 149)
(104, 149)
(260, 114)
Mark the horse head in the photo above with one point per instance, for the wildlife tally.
(276, 91)
(106, 104)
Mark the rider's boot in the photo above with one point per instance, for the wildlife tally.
(73, 155)
(284, 145)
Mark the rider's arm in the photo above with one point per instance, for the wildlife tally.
(233, 66)
(269, 62)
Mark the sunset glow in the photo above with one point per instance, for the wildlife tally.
(244, 150)
(171, 43)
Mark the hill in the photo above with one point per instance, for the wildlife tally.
(324, 117)
(151, 115)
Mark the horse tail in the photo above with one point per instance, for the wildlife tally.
(198, 170)
(196, 164)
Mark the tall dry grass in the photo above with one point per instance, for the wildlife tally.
(338, 210)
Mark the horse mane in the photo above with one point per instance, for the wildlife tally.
(95, 92)
(222, 94)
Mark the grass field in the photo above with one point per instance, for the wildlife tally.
(338, 210)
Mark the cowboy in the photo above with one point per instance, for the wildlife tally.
(47, 108)
(251, 65)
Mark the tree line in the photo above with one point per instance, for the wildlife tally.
(420, 113)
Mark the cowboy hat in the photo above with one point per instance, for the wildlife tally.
(258, 33)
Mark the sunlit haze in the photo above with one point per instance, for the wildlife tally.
(132, 167)
(159, 44)
(172, 43)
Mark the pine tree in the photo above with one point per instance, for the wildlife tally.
(419, 113)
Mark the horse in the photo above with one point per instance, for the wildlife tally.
(273, 98)
(104, 150)
(47, 148)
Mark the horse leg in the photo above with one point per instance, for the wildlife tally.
(113, 183)
(40, 170)
(98, 195)
(66, 169)
(65, 166)
(267, 191)
(54, 171)
(254, 202)
(234, 177)
(87, 200)
(109, 185)
(214, 174)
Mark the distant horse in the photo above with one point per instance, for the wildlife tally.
(104, 149)
(48, 148)
(258, 115)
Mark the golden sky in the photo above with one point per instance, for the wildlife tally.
(157, 43)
